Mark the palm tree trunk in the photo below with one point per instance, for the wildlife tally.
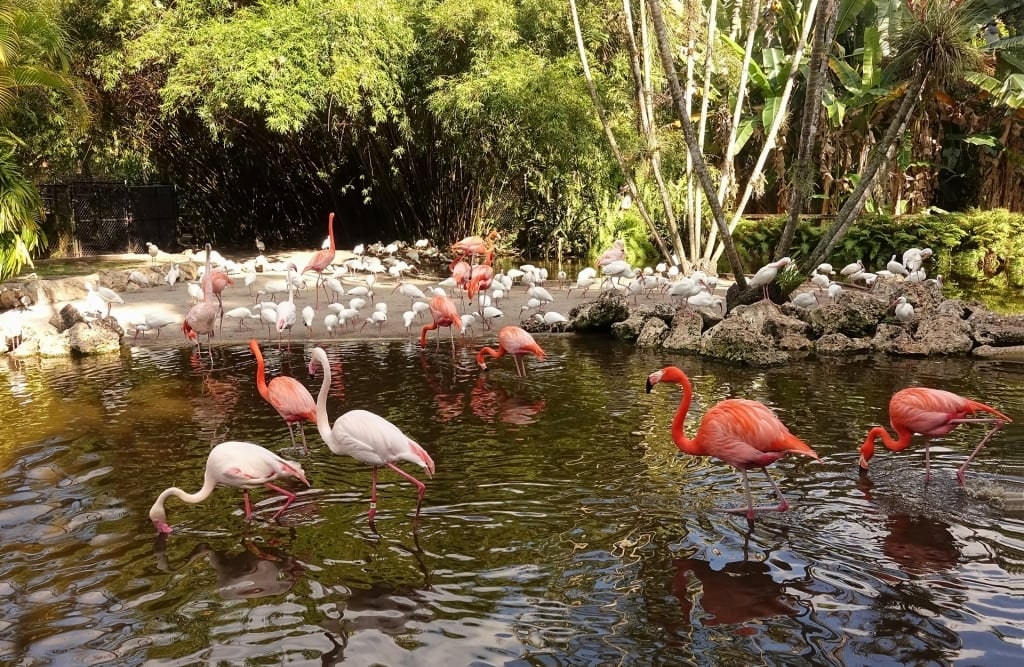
(880, 155)
(668, 64)
(773, 132)
(647, 127)
(698, 210)
(626, 172)
(803, 176)
(728, 168)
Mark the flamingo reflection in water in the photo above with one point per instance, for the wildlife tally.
(917, 543)
(492, 403)
(256, 571)
(737, 592)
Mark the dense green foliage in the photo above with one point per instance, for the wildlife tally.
(442, 118)
(972, 244)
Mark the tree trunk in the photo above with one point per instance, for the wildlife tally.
(698, 210)
(647, 127)
(728, 169)
(626, 172)
(773, 131)
(665, 49)
(880, 155)
(803, 176)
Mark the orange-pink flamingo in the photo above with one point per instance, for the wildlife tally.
(515, 341)
(242, 465)
(321, 259)
(444, 314)
(933, 413)
(202, 317)
(745, 434)
(286, 395)
(367, 438)
(474, 245)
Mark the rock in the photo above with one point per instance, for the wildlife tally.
(630, 328)
(943, 334)
(924, 296)
(710, 316)
(13, 297)
(45, 292)
(653, 333)
(100, 337)
(684, 334)
(893, 339)
(53, 344)
(838, 344)
(990, 352)
(735, 297)
(66, 318)
(28, 348)
(599, 315)
(733, 339)
(115, 280)
(988, 328)
(855, 316)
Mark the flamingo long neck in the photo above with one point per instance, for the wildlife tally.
(867, 450)
(323, 422)
(423, 332)
(261, 380)
(683, 443)
(207, 276)
(497, 354)
(291, 288)
(157, 512)
(330, 230)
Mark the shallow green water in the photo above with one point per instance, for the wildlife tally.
(561, 527)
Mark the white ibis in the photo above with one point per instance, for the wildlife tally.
(766, 274)
(895, 268)
(307, 319)
(852, 269)
(904, 310)
(804, 300)
(241, 314)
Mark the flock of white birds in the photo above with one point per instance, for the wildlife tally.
(351, 284)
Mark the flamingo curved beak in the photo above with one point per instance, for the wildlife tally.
(162, 527)
(650, 385)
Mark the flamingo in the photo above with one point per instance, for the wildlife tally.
(515, 341)
(766, 274)
(286, 312)
(202, 317)
(287, 395)
(480, 279)
(474, 245)
(367, 438)
(445, 314)
(745, 434)
(616, 253)
(243, 465)
(218, 280)
(321, 259)
(932, 413)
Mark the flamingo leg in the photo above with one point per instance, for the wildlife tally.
(291, 433)
(248, 507)
(750, 510)
(420, 486)
(927, 462)
(302, 432)
(373, 496)
(284, 492)
(999, 423)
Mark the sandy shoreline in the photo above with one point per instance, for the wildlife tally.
(175, 303)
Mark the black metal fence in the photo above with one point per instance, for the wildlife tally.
(95, 217)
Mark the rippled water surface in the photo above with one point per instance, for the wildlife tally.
(561, 528)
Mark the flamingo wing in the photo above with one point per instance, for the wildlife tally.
(370, 438)
(927, 411)
(291, 399)
(746, 434)
(517, 340)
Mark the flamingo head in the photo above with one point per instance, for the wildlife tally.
(289, 469)
(162, 527)
(653, 379)
(667, 374)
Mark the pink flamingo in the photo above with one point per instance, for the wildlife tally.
(515, 341)
(445, 314)
(242, 465)
(616, 253)
(321, 259)
(480, 279)
(745, 434)
(202, 317)
(287, 395)
(933, 413)
(218, 280)
(474, 245)
(367, 438)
